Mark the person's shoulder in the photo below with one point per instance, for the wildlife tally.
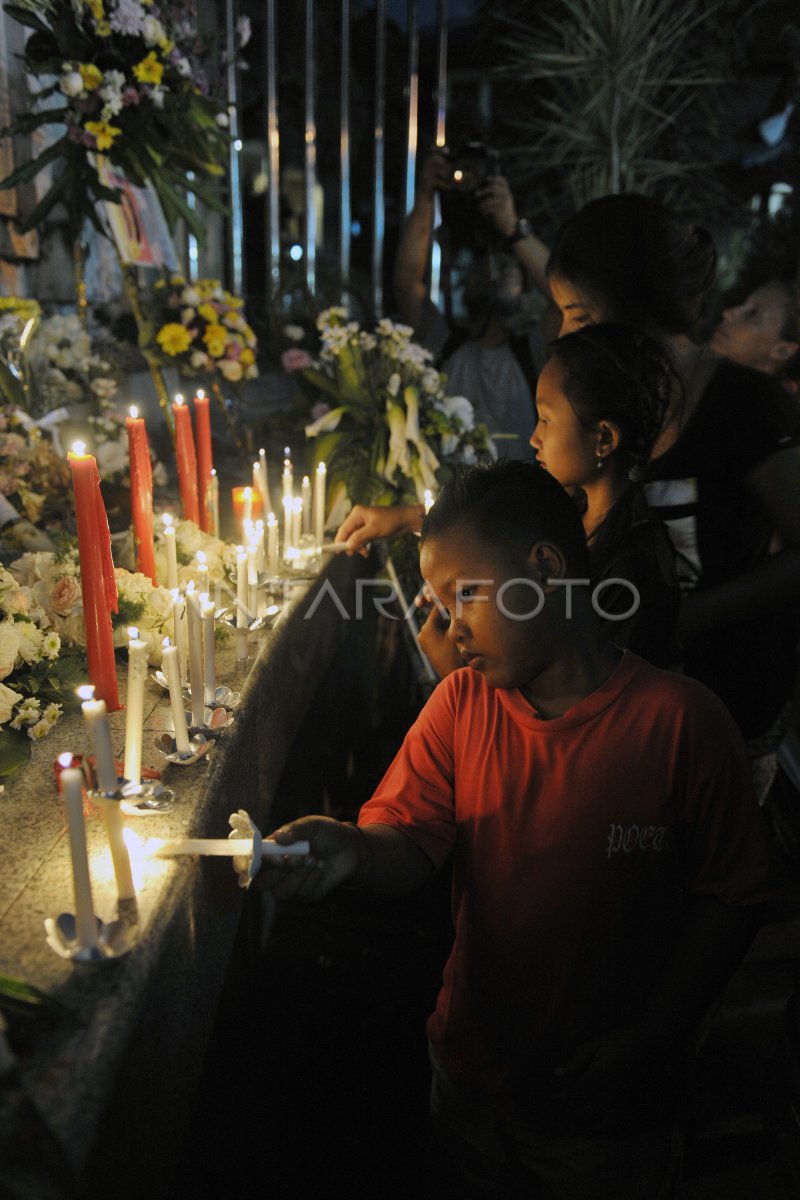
(680, 696)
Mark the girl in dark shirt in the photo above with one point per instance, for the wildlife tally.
(601, 402)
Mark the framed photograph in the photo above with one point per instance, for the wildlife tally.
(137, 224)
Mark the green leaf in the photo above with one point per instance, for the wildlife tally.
(15, 750)
(17, 994)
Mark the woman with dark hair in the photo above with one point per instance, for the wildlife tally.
(725, 475)
(764, 332)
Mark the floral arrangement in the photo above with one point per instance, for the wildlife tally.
(67, 368)
(200, 329)
(130, 84)
(385, 426)
(37, 675)
(34, 477)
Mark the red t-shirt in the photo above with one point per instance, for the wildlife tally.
(575, 842)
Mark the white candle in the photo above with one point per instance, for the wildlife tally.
(305, 494)
(71, 789)
(272, 544)
(264, 476)
(242, 619)
(209, 650)
(247, 506)
(257, 483)
(297, 520)
(212, 497)
(180, 632)
(288, 476)
(287, 525)
(259, 544)
(221, 847)
(252, 580)
(196, 682)
(112, 813)
(172, 553)
(319, 502)
(96, 718)
(134, 715)
(170, 665)
(202, 572)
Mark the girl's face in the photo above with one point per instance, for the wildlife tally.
(750, 333)
(564, 447)
(575, 307)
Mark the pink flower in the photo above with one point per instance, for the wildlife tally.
(65, 595)
(295, 360)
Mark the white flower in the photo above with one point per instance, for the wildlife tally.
(8, 699)
(222, 120)
(157, 94)
(458, 406)
(52, 713)
(9, 647)
(39, 730)
(431, 381)
(112, 458)
(27, 713)
(393, 386)
(183, 67)
(30, 641)
(51, 645)
(128, 17)
(71, 84)
(199, 359)
(191, 296)
(243, 30)
(152, 31)
(295, 333)
(326, 423)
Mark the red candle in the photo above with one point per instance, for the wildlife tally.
(204, 459)
(187, 461)
(141, 494)
(98, 585)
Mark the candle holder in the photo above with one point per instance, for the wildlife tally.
(228, 616)
(224, 697)
(113, 939)
(167, 747)
(145, 798)
(215, 721)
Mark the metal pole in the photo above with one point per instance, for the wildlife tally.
(192, 253)
(345, 214)
(378, 220)
(441, 113)
(413, 103)
(236, 222)
(273, 161)
(311, 156)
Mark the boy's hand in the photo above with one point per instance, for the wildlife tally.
(336, 851)
(605, 1075)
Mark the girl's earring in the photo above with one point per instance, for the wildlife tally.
(599, 462)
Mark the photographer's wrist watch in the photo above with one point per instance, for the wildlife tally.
(522, 229)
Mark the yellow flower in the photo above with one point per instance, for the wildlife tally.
(103, 132)
(247, 358)
(149, 70)
(96, 9)
(103, 29)
(208, 313)
(215, 339)
(173, 338)
(165, 45)
(91, 75)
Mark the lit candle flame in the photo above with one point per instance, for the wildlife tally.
(214, 472)
(271, 519)
(165, 643)
(134, 412)
(321, 469)
(201, 557)
(133, 633)
(65, 759)
(262, 452)
(200, 394)
(79, 448)
(178, 398)
(248, 493)
(86, 691)
(167, 519)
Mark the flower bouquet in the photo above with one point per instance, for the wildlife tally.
(34, 477)
(19, 319)
(67, 368)
(38, 675)
(385, 426)
(200, 329)
(125, 79)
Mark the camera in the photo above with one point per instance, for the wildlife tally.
(471, 166)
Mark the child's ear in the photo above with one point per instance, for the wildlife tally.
(547, 561)
(783, 351)
(608, 438)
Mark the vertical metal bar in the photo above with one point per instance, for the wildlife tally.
(192, 252)
(236, 222)
(378, 219)
(413, 103)
(441, 115)
(345, 213)
(311, 155)
(273, 161)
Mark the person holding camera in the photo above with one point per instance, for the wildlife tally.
(487, 361)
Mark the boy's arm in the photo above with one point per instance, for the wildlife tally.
(378, 858)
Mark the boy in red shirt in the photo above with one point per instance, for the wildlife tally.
(608, 862)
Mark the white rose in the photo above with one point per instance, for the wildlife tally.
(458, 406)
(152, 31)
(8, 699)
(71, 84)
(9, 647)
(30, 641)
(190, 296)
